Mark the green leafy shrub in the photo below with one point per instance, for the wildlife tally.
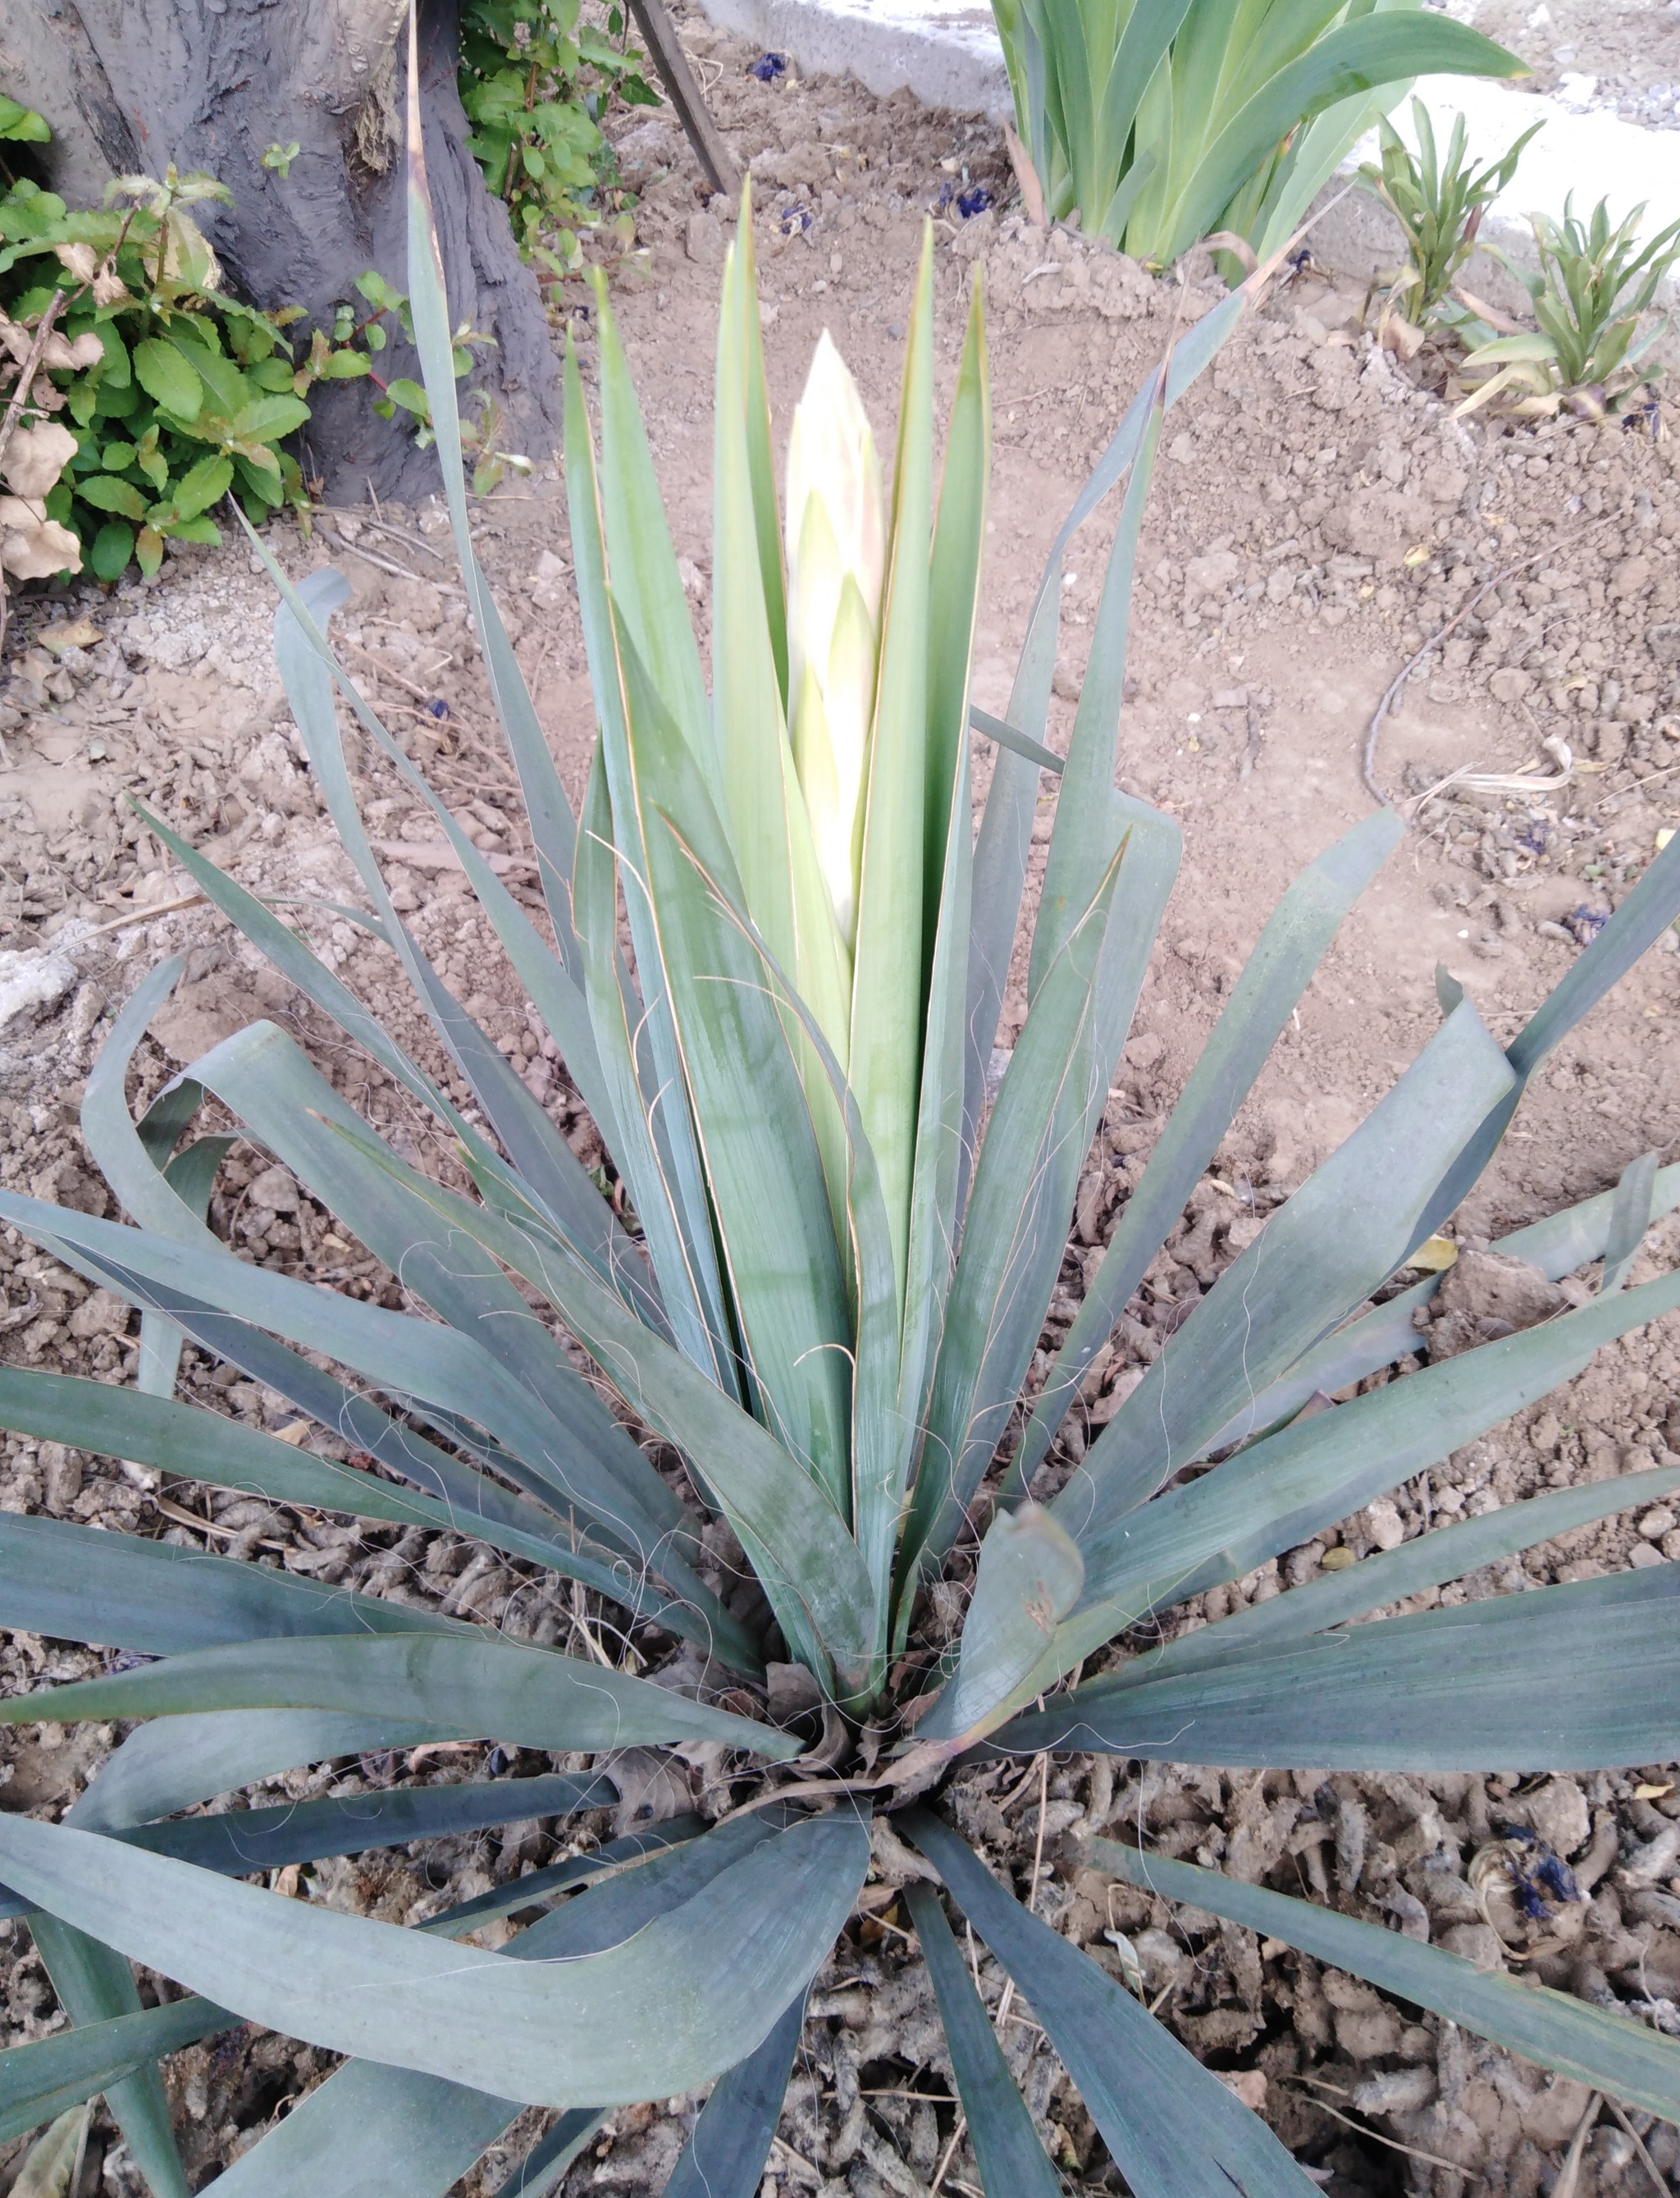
(1439, 204)
(1161, 124)
(824, 1315)
(178, 393)
(536, 79)
(1589, 355)
(192, 392)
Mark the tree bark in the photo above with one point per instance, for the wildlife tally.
(130, 85)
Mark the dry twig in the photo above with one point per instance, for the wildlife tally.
(1569, 2173)
(1396, 686)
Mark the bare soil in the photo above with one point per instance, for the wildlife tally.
(1316, 518)
(1619, 55)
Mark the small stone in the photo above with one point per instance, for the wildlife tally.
(703, 240)
(1657, 1522)
(1213, 574)
(62, 1470)
(1476, 1943)
(1383, 1523)
(1508, 684)
(1641, 1556)
(1144, 1050)
(1249, 2085)
(86, 1010)
(1182, 448)
(276, 1188)
(1161, 1955)
(1368, 2033)
(1558, 1811)
(102, 1314)
(1445, 484)
(1629, 578)
(34, 979)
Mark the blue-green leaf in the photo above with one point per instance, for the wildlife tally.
(1626, 2059)
(1013, 2164)
(1173, 2129)
(683, 1998)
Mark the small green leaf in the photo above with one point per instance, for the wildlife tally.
(201, 487)
(268, 418)
(166, 376)
(22, 125)
(105, 492)
(108, 553)
(190, 530)
(410, 396)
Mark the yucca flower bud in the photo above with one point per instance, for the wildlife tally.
(836, 541)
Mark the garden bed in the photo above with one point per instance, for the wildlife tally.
(1317, 517)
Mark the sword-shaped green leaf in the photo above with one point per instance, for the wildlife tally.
(1288, 952)
(40, 2079)
(552, 826)
(889, 973)
(376, 2131)
(482, 1682)
(1172, 2128)
(685, 1997)
(725, 2156)
(1011, 2162)
(1612, 2053)
(1343, 1232)
(1582, 1678)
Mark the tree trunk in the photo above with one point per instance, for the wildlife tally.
(130, 85)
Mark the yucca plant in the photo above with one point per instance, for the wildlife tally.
(776, 966)
(1439, 203)
(1593, 287)
(1161, 122)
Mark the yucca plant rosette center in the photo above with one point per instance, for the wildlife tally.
(771, 951)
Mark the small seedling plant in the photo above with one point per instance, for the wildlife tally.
(772, 955)
(1439, 204)
(1591, 355)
